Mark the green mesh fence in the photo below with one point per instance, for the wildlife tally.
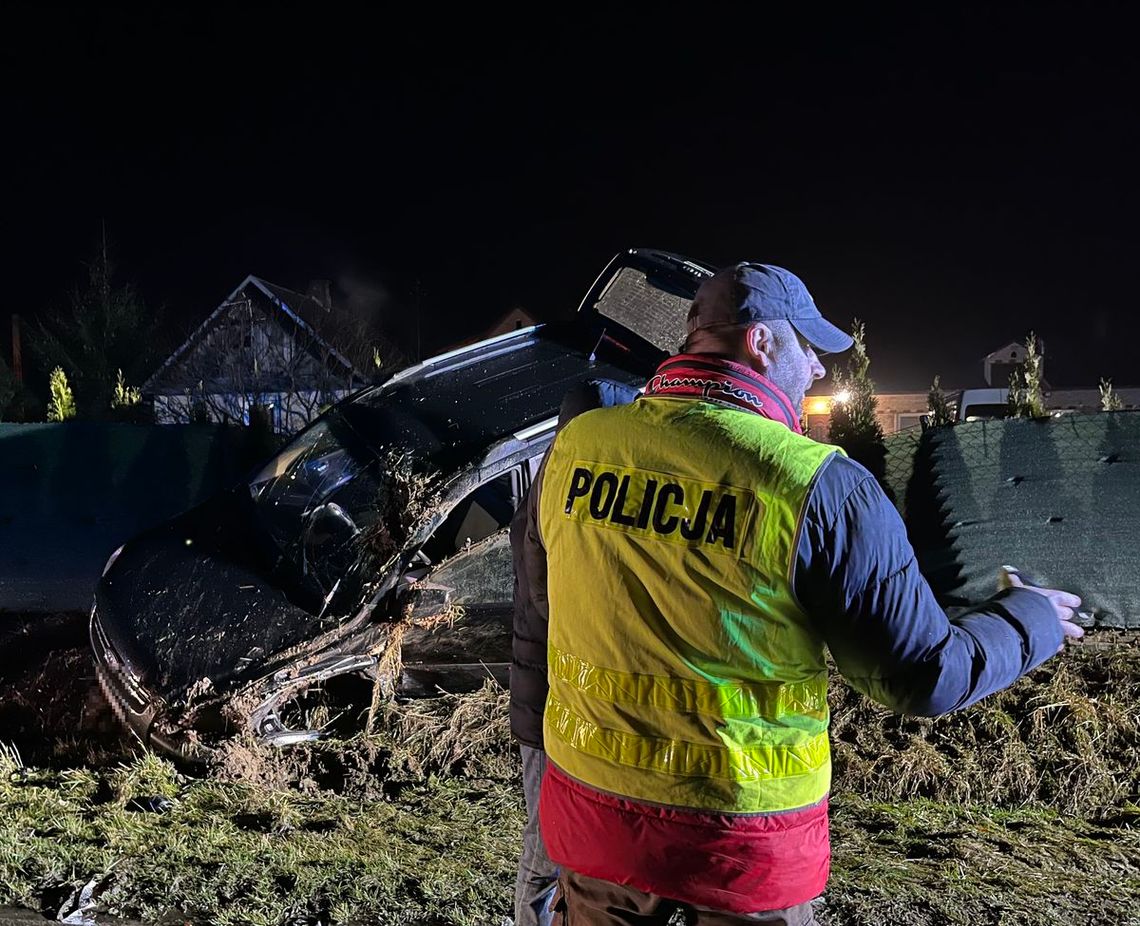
(71, 493)
(1058, 498)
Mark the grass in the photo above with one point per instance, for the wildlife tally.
(229, 852)
(924, 862)
(1021, 810)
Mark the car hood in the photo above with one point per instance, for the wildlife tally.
(201, 601)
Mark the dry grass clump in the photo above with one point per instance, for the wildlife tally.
(391, 650)
(465, 734)
(1067, 736)
(408, 497)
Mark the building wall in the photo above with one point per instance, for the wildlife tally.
(895, 412)
(243, 348)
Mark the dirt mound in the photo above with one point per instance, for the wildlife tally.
(1066, 737)
(51, 708)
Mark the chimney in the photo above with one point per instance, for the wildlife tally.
(320, 291)
(17, 351)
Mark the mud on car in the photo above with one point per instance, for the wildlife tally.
(390, 510)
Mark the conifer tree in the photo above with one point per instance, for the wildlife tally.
(939, 406)
(101, 329)
(125, 396)
(62, 404)
(1026, 399)
(1110, 400)
(854, 425)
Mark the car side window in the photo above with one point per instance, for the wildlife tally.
(484, 511)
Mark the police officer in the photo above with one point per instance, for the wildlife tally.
(696, 553)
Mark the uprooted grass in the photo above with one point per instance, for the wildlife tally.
(456, 736)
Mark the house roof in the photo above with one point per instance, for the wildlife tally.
(327, 325)
(1002, 354)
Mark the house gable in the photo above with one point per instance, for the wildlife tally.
(258, 337)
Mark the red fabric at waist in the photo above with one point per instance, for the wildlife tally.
(741, 863)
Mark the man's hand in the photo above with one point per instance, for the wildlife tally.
(1064, 604)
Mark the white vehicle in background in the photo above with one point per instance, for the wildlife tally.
(978, 404)
(974, 404)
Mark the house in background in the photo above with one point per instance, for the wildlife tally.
(998, 366)
(513, 320)
(266, 347)
(896, 411)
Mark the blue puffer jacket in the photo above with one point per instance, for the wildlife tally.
(857, 576)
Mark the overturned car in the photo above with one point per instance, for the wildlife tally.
(372, 550)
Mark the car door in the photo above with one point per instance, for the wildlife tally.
(462, 606)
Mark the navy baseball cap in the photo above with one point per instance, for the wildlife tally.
(748, 292)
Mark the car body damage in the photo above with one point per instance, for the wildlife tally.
(370, 556)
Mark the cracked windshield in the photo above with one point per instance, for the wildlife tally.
(320, 499)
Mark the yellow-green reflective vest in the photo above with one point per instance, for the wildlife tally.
(682, 669)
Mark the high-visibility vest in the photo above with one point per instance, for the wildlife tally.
(682, 669)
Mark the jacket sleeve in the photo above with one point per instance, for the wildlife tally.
(533, 552)
(856, 575)
(528, 639)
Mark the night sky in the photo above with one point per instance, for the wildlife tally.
(954, 180)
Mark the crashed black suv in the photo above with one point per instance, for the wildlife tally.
(392, 506)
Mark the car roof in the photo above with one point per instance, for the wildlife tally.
(451, 410)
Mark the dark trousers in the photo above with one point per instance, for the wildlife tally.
(583, 901)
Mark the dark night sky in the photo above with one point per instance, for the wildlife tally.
(954, 179)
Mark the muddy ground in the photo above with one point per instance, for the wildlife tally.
(51, 708)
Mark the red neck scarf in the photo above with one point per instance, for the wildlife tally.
(715, 379)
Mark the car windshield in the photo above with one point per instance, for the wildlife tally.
(320, 497)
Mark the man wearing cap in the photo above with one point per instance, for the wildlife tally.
(696, 554)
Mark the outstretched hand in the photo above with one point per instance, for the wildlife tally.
(1064, 604)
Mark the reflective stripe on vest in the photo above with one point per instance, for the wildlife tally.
(682, 671)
